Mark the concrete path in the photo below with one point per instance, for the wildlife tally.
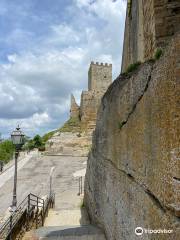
(9, 170)
(33, 176)
(67, 218)
(68, 221)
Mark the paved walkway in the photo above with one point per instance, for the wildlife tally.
(33, 176)
(9, 168)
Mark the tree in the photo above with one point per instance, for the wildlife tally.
(6, 151)
(37, 141)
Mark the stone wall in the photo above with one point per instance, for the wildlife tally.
(88, 110)
(99, 76)
(149, 25)
(167, 20)
(99, 79)
(74, 110)
(133, 177)
(149, 29)
(133, 49)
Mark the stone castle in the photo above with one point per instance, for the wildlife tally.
(133, 171)
(75, 137)
(99, 79)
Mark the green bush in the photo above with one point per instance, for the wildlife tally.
(129, 7)
(82, 205)
(158, 53)
(6, 151)
(132, 67)
(120, 124)
(36, 142)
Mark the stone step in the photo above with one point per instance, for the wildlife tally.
(67, 217)
(86, 232)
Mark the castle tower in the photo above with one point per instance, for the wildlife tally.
(74, 111)
(99, 79)
(99, 76)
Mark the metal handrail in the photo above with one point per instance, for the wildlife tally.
(26, 207)
(13, 216)
(80, 186)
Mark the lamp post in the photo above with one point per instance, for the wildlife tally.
(17, 137)
(50, 181)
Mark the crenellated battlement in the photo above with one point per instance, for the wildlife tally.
(101, 64)
(100, 76)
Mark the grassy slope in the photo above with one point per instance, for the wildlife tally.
(72, 125)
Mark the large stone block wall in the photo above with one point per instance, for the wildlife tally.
(161, 21)
(133, 49)
(167, 20)
(149, 25)
(133, 177)
(149, 29)
(90, 101)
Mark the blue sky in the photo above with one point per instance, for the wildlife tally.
(46, 47)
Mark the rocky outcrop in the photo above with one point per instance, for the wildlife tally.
(74, 111)
(69, 143)
(133, 172)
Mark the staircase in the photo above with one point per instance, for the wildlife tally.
(66, 225)
(30, 214)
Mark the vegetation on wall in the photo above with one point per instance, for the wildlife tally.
(132, 67)
(129, 7)
(158, 53)
(6, 151)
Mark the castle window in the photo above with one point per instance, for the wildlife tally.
(105, 76)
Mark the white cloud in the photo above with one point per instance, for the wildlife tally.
(29, 125)
(63, 34)
(12, 58)
(36, 83)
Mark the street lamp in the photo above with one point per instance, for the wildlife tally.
(17, 137)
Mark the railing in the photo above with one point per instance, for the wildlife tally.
(30, 214)
(80, 186)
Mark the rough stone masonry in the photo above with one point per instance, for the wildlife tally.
(149, 25)
(133, 171)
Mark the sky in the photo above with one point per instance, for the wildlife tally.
(46, 47)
